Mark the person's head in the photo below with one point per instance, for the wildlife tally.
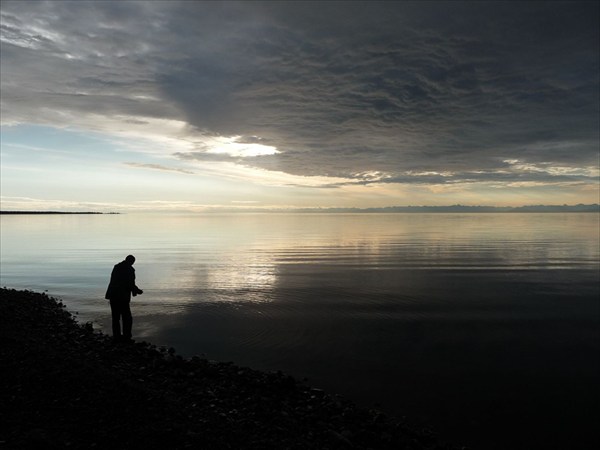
(130, 260)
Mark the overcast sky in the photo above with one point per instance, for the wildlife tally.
(186, 105)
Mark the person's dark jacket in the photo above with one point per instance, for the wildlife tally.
(122, 283)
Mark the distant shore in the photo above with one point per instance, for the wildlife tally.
(56, 212)
(65, 384)
(579, 208)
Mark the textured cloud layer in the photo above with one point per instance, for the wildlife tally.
(370, 92)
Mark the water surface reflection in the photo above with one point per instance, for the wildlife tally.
(485, 325)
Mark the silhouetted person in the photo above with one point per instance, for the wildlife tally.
(120, 288)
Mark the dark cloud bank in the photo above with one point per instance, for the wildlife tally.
(413, 90)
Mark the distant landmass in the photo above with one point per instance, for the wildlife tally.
(55, 212)
(462, 209)
(580, 208)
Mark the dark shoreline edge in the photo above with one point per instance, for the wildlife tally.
(66, 385)
(35, 213)
(578, 208)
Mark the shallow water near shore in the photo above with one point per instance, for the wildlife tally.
(485, 326)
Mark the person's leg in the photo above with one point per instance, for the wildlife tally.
(116, 315)
(127, 320)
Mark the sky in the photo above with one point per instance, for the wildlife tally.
(195, 106)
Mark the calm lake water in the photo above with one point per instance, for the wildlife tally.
(485, 326)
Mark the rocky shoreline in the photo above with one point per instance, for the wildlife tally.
(65, 385)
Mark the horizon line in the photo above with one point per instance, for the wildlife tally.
(580, 207)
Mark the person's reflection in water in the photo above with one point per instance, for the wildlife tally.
(120, 288)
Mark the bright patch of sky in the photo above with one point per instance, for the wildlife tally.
(231, 147)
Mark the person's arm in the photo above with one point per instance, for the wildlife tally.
(134, 289)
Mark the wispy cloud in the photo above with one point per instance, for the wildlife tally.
(158, 167)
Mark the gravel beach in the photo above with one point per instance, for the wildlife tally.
(65, 385)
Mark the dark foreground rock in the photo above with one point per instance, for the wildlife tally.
(65, 386)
